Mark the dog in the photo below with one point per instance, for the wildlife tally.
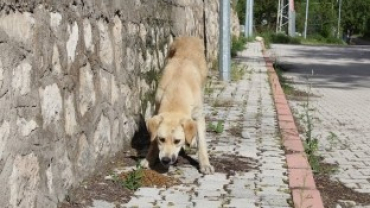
(179, 99)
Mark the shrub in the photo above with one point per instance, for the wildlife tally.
(282, 38)
(237, 44)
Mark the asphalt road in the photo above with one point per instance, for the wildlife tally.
(332, 66)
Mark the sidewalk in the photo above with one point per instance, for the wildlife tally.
(250, 164)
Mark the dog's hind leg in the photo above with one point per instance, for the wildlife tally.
(205, 166)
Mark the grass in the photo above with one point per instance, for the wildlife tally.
(317, 40)
(237, 44)
(282, 38)
(285, 84)
(237, 71)
(133, 179)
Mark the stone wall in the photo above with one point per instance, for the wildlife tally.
(74, 78)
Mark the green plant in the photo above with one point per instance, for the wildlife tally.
(237, 44)
(214, 65)
(283, 38)
(133, 179)
(218, 128)
(319, 39)
(237, 71)
(208, 90)
(333, 139)
(287, 88)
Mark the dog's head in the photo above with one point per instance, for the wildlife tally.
(171, 133)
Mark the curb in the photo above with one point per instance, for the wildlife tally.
(301, 180)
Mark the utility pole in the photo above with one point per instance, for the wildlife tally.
(246, 19)
(305, 22)
(339, 17)
(278, 16)
(248, 26)
(251, 5)
(291, 19)
(224, 41)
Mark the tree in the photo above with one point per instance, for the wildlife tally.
(355, 16)
(263, 11)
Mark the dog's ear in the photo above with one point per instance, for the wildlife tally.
(190, 129)
(152, 124)
(172, 50)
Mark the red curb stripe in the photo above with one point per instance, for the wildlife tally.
(307, 198)
(293, 145)
(301, 180)
(297, 161)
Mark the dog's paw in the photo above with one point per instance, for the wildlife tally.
(207, 169)
(144, 163)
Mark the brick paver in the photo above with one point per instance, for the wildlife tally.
(250, 133)
(341, 82)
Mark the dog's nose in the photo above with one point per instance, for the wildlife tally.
(165, 160)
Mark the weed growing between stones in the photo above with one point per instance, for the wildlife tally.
(218, 128)
(237, 71)
(132, 180)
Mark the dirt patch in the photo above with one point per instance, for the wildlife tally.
(235, 131)
(97, 187)
(151, 178)
(333, 191)
(114, 191)
(299, 95)
(223, 103)
(230, 164)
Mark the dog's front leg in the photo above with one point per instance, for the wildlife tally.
(205, 166)
(151, 156)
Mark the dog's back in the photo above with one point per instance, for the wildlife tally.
(184, 75)
(190, 49)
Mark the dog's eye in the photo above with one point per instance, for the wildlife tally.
(162, 139)
(176, 141)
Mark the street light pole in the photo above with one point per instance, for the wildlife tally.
(246, 19)
(339, 17)
(251, 5)
(224, 41)
(305, 22)
(278, 16)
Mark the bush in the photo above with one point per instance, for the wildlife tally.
(237, 44)
(318, 39)
(282, 38)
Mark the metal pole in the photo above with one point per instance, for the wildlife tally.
(224, 41)
(305, 22)
(246, 20)
(291, 16)
(278, 16)
(251, 4)
(339, 16)
(281, 15)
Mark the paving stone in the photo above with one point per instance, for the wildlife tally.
(102, 204)
(206, 203)
(240, 203)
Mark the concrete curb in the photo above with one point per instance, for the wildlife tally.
(301, 180)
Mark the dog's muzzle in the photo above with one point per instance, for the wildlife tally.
(168, 161)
